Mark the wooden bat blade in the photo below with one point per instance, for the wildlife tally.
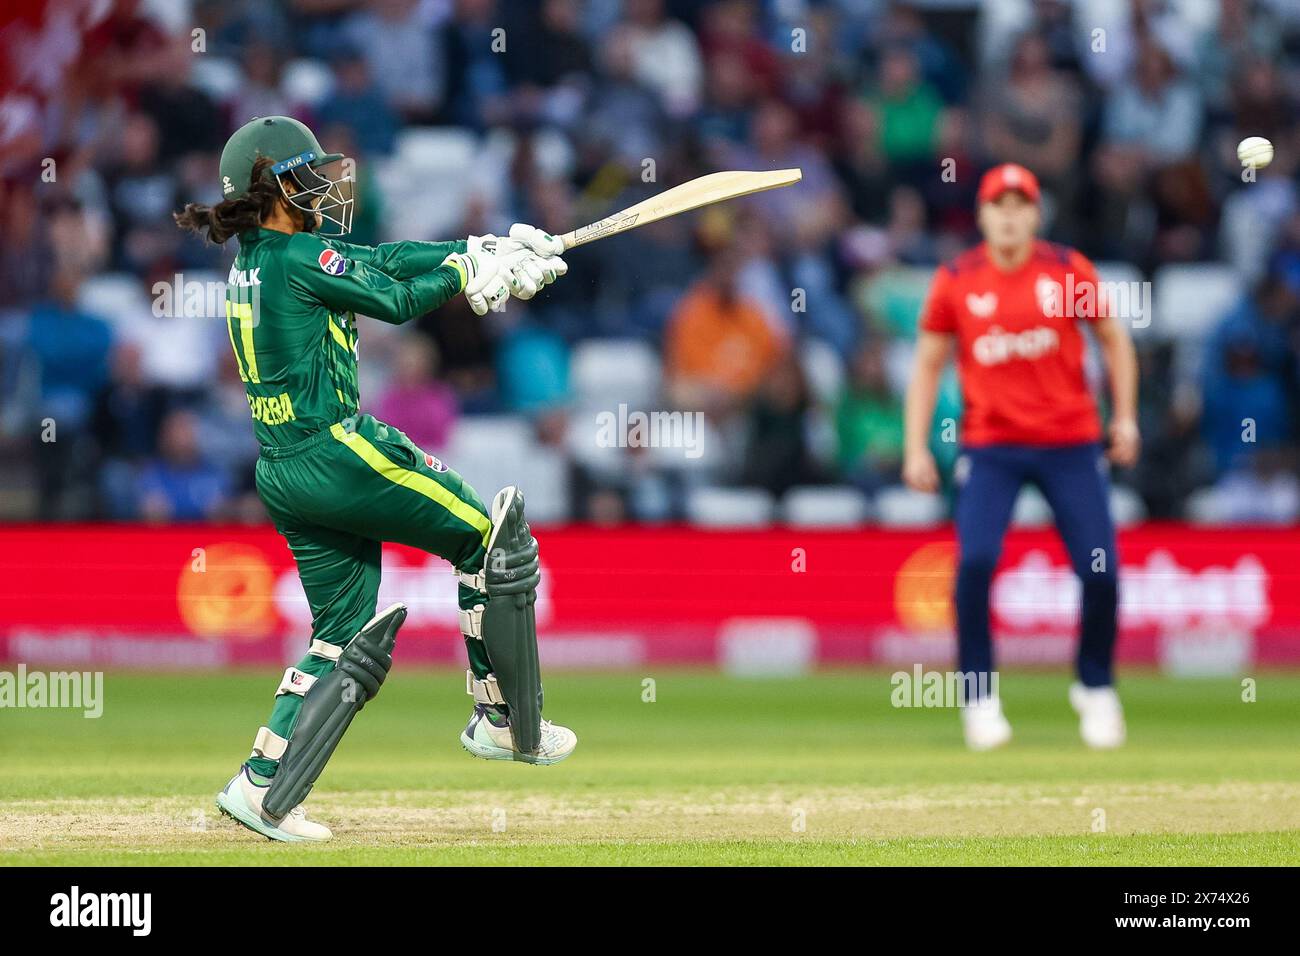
(704, 191)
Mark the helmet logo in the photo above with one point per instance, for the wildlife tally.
(227, 187)
(331, 262)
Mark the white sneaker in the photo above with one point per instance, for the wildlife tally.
(984, 725)
(1101, 716)
(488, 736)
(241, 800)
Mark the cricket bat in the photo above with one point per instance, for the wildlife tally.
(704, 191)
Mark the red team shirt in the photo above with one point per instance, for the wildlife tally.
(1019, 347)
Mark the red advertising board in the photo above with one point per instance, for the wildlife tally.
(775, 600)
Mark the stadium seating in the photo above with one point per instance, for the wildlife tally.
(218, 76)
(1126, 506)
(424, 183)
(492, 451)
(1032, 509)
(1191, 298)
(823, 506)
(730, 507)
(306, 81)
(607, 372)
(112, 295)
(900, 507)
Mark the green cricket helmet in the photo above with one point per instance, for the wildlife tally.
(296, 157)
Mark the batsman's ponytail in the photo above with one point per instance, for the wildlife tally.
(233, 216)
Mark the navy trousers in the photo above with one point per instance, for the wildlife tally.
(1073, 480)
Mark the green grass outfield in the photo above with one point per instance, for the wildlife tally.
(815, 770)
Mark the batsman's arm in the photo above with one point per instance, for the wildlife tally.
(401, 260)
(351, 285)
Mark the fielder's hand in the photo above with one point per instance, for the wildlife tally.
(1125, 442)
(920, 473)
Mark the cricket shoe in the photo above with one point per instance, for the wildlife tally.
(488, 736)
(984, 725)
(242, 802)
(1101, 716)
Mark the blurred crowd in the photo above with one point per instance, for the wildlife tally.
(785, 319)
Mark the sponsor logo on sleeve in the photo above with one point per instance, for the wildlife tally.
(332, 262)
(982, 306)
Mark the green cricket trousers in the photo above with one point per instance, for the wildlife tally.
(336, 497)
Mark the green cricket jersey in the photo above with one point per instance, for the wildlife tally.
(291, 304)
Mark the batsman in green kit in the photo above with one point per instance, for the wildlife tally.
(338, 483)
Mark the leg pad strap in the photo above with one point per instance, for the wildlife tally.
(269, 744)
(471, 622)
(485, 691)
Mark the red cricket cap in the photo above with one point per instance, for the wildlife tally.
(1008, 176)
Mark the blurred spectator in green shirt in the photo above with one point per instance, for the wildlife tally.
(909, 108)
(869, 424)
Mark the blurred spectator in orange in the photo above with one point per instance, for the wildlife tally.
(720, 345)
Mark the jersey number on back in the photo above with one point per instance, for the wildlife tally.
(247, 363)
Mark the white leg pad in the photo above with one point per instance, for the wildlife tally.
(483, 691)
(268, 744)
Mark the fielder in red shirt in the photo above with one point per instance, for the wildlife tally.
(1012, 311)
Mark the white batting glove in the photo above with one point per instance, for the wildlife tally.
(533, 239)
(487, 283)
(539, 269)
(530, 273)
